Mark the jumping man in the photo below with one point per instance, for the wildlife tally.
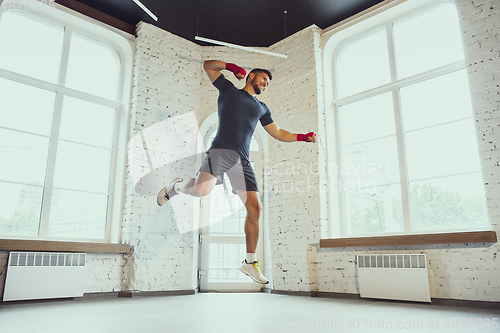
(239, 111)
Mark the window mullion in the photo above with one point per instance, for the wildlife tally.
(63, 68)
(110, 227)
(391, 52)
(338, 190)
(54, 137)
(403, 175)
(51, 163)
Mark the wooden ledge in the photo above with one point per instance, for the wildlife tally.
(54, 246)
(443, 238)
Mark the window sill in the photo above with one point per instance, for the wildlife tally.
(55, 246)
(443, 238)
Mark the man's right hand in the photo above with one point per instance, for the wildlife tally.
(309, 137)
(238, 72)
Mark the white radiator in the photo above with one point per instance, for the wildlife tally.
(394, 276)
(42, 275)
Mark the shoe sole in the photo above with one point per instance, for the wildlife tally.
(161, 196)
(249, 275)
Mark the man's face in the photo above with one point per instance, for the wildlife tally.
(260, 82)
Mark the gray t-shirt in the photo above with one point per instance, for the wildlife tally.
(238, 115)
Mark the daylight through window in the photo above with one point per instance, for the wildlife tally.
(58, 104)
(407, 145)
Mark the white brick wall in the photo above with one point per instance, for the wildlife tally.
(104, 273)
(295, 201)
(167, 77)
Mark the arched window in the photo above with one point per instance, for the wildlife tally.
(406, 158)
(62, 115)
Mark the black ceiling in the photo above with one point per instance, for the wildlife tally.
(243, 22)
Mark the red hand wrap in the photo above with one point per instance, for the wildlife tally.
(305, 137)
(235, 69)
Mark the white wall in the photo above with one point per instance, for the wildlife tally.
(294, 173)
(166, 82)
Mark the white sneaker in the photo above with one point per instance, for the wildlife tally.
(253, 271)
(167, 192)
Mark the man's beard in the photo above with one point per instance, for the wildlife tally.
(256, 87)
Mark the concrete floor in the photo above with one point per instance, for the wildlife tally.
(245, 312)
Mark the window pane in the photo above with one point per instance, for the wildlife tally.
(230, 226)
(81, 167)
(448, 203)
(224, 262)
(75, 214)
(88, 123)
(24, 157)
(20, 207)
(374, 210)
(30, 45)
(254, 145)
(427, 40)
(26, 108)
(367, 119)
(442, 150)
(370, 163)
(436, 101)
(363, 64)
(93, 67)
(227, 213)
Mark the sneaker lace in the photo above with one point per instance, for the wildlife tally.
(256, 265)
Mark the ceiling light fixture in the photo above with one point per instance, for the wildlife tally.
(144, 8)
(251, 49)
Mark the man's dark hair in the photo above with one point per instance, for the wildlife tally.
(260, 70)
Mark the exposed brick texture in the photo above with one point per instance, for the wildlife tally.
(166, 81)
(293, 172)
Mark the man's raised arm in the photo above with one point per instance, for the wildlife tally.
(213, 68)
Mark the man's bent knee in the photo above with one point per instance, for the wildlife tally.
(204, 184)
(201, 190)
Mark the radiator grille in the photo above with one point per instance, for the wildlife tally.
(47, 259)
(392, 261)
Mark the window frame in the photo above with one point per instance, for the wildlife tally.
(334, 40)
(124, 44)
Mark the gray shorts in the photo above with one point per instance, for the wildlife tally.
(239, 171)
